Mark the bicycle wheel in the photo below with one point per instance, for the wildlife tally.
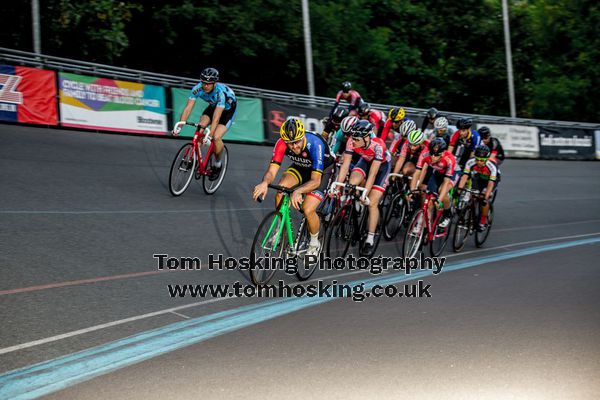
(461, 229)
(440, 238)
(270, 239)
(414, 235)
(395, 217)
(481, 237)
(364, 231)
(182, 169)
(214, 177)
(305, 269)
(340, 233)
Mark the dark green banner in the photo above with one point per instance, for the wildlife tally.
(248, 124)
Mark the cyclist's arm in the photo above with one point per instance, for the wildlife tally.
(489, 189)
(463, 180)
(344, 168)
(271, 173)
(399, 163)
(417, 176)
(187, 110)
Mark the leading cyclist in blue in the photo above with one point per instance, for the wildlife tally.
(219, 113)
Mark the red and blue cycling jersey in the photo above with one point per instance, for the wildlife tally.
(444, 166)
(220, 96)
(315, 155)
(471, 141)
(375, 152)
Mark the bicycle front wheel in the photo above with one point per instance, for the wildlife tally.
(270, 240)
(182, 169)
(414, 235)
(481, 237)
(395, 217)
(440, 237)
(340, 233)
(214, 176)
(461, 229)
(305, 266)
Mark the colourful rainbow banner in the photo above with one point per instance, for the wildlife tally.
(107, 104)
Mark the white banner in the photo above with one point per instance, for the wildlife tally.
(517, 140)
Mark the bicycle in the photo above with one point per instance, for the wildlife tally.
(468, 220)
(349, 226)
(277, 227)
(189, 163)
(399, 207)
(423, 230)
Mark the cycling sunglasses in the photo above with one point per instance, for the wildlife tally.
(481, 158)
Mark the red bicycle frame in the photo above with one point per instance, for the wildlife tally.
(198, 138)
(430, 232)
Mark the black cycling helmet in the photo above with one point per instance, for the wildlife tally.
(464, 123)
(437, 146)
(482, 151)
(484, 132)
(209, 75)
(361, 129)
(432, 113)
(364, 108)
(346, 86)
(339, 114)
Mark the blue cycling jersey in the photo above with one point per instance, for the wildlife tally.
(221, 95)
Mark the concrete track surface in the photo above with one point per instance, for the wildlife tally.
(86, 313)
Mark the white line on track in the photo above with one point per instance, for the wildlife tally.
(96, 212)
(214, 300)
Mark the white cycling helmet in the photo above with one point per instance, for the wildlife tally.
(347, 123)
(441, 123)
(407, 126)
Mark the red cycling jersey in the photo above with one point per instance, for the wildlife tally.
(377, 118)
(408, 154)
(352, 97)
(375, 152)
(445, 165)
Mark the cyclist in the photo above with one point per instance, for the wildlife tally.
(442, 177)
(395, 118)
(309, 173)
(429, 119)
(442, 129)
(349, 95)
(464, 141)
(414, 147)
(496, 150)
(371, 172)
(407, 126)
(484, 175)
(376, 117)
(219, 113)
(332, 124)
(338, 143)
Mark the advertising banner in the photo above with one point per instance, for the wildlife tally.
(597, 137)
(98, 103)
(247, 126)
(517, 140)
(567, 143)
(28, 95)
(276, 114)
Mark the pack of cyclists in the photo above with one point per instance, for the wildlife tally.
(362, 146)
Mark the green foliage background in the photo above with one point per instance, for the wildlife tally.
(448, 54)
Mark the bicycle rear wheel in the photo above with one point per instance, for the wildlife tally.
(214, 176)
(395, 217)
(270, 239)
(440, 237)
(182, 169)
(414, 235)
(340, 233)
(461, 229)
(481, 237)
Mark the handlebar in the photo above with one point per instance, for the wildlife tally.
(280, 188)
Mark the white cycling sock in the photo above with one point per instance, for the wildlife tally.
(314, 239)
(370, 238)
(218, 163)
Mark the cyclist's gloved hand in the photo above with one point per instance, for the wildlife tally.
(439, 204)
(484, 202)
(365, 199)
(177, 128)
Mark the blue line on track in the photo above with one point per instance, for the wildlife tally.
(56, 374)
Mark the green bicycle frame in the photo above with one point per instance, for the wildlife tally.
(286, 219)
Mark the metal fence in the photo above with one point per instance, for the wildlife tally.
(65, 64)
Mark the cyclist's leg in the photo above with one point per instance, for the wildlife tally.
(359, 172)
(290, 178)
(408, 169)
(375, 195)
(227, 118)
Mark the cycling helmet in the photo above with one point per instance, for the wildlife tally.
(396, 114)
(347, 123)
(346, 86)
(407, 126)
(292, 129)
(361, 129)
(416, 137)
(364, 108)
(437, 146)
(484, 132)
(339, 114)
(209, 75)
(432, 113)
(441, 123)
(464, 123)
(482, 151)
